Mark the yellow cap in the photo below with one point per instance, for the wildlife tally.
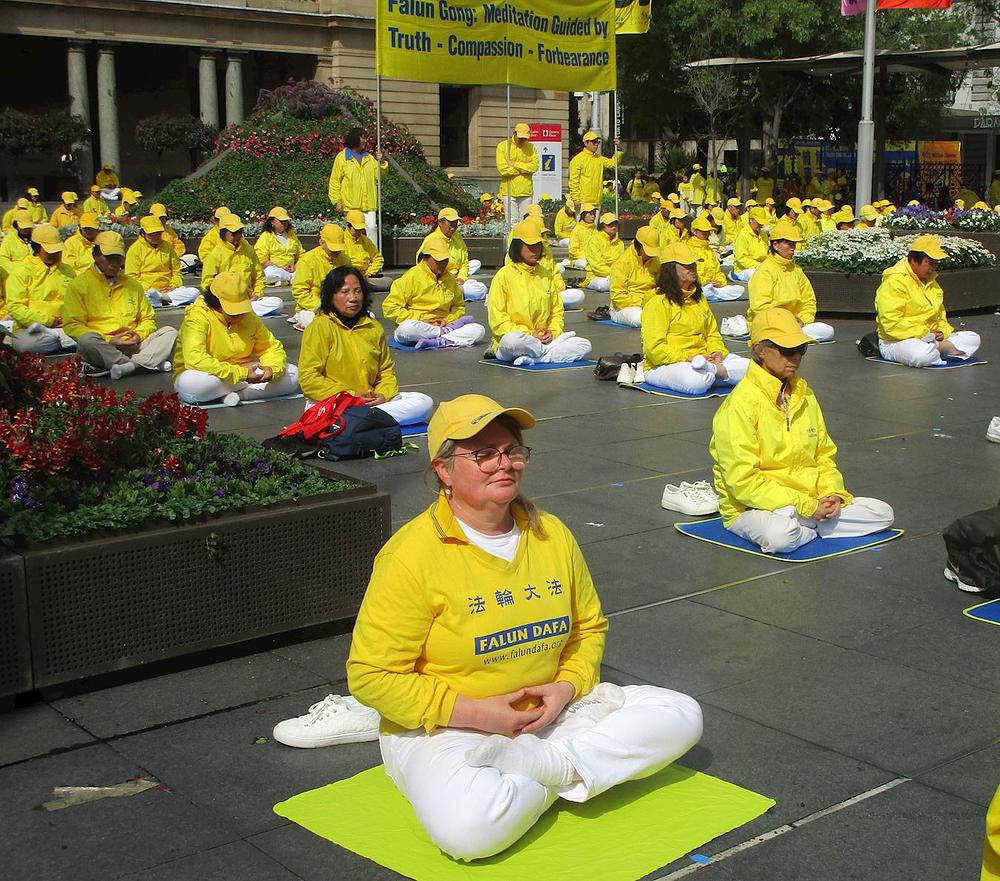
(591, 136)
(914, 202)
(332, 236)
(521, 130)
(436, 248)
(780, 327)
(528, 232)
(158, 209)
(960, 204)
(89, 220)
(869, 212)
(717, 215)
(110, 243)
(929, 245)
(789, 232)
(151, 225)
(466, 416)
(649, 238)
(702, 223)
(655, 196)
(485, 197)
(794, 204)
(587, 206)
(570, 203)
(230, 223)
(221, 212)
(108, 166)
(69, 197)
(355, 219)
(673, 197)
(733, 203)
(609, 217)
(33, 191)
(696, 167)
(770, 201)
(231, 290)
(844, 215)
(279, 213)
(22, 219)
(760, 215)
(666, 203)
(807, 203)
(94, 189)
(449, 214)
(47, 236)
(534, 211)
(677, 214)
(136, 195)
(678, 252)
(750, 203)
(979, 206)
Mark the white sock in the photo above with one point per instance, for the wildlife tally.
(526, 755)
(118, 371)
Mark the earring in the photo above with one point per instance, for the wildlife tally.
(447, 492)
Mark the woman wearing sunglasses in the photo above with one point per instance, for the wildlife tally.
(479, 643)
(778, 483)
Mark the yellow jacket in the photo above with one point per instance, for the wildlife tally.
(586, 176)
(106, 180)
(362, 254)
(94, 306)
(353, 184)
(336, 358)
(908, 309)
(632, 281)
(458, 265)
(991, 844)
(208, 343)
(697, 189)
(809, 225)
(35, 292)
(709, 268)
(765, 459)
(731, 226)
(993, 193)
(713, 189)
(38, 213)
(171, 237)
(563, 225)
(63, 216)
(78, 253)
(524, 298)
(601, 253)
(827, 224)
(659, 222)
(442, 618)
(516, 164)
(270, 250)
(242, 260)
(684, 190)
(420, 295)
(765, 189)
(310, 271)
(749, 248)
(670, 234)
(779, 282)
(156, 269)
(96, 205)
(672, 333)
(13, 249)
(209, 242)
(581, 234)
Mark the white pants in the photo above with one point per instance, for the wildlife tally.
(515, 207)
(682, 377)
(266, 306)
(472, 813)
(412, 331)
(407, 408)
(781, 531)
(920, 353)
(475, 266)
(473, 290)
(111, 194)
(177, 297)
(303, 317)
(371, 223)
(818, 331)
(568, 263)
(744, 275)
(196, 386)
(564, 348)
(630, 315)
(572, 297)
(277, 275)
(563, 243)
(41, 340)
(721, 293)
(600, 284)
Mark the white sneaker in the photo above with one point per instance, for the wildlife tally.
(961, 585)
(993, 430)
(233, 399)
(335, 719)
(696, 499)
(626, 374)
(640, 375)
(735, 325)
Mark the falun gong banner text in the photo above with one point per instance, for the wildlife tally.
(540, 44)
(632, 16)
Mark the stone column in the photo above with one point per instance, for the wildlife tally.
(234, 87)
(208, 88)
(79, 105)
(107, 106)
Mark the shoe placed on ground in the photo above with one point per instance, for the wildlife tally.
(232, 399)
(335, 719)
(640, 374)
(626, 374)
(993, 430)
(92, 371)
(961, 585)
(601, 313)
(735, 325)
(696, 499)
(166, 367)
(120, 371)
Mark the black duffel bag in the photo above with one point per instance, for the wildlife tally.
(608, 365)
(973, 544)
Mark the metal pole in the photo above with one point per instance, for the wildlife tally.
(615, 148)
(510, 137)
(378, 163)
(866, 127)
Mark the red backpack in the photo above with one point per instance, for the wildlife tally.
(323, 419)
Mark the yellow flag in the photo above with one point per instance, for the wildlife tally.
(632, 16)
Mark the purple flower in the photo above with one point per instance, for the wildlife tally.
(20, 492)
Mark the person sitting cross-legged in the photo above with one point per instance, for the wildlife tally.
(710, 274)
(579, 237)
(35, 290)
(310, 271)
(461, 266)
(109, 315)
(750, 247)
(633, 277)
(563, 225)
(603, 248)
(775, 469)
(571, 297)
(278, 247)
(78, 250)
(234, 254)
(362, 253)
(154, 264)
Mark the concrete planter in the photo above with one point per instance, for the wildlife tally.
(401, 251)
(15, 648)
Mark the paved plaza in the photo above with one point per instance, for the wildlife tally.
(852, 690)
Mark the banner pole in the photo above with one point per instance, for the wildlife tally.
(615, 148)
(378, 163)
(508, 202)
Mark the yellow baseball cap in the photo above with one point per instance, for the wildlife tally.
(33, 191)
(760, 215)
(696, 167)
(733, 203)
(279, 213)
(436, 248)
(485, 197)
(534, 210)
(332, 236)
(869, 212)
(649, 238)
(231, 290)
(979, 206)
(770, 201)
(110, 243)
(703, 223)
(230, 223)
(914, 202)
(449, 214)
(929, 245)
(677, 214)
(673, 197)
(151, 224)
(136, 195)
(678, 252)
(609, 217)
(355, 219)
(69, 197)
(47, 236)
(158, 209)
(794, 204)
(717, 214)
(466, 416)
(591, 136)
(780, 327)
(570, 203)
(89, 220)
(789, 232)
(521, 130)
(844, 215)
(528, 232)
(22, 219)
(221, 212)
(807, 203)
(666, 203)
(750, 203)
(94, 189)
(586, 207)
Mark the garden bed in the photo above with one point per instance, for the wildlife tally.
(401, 251)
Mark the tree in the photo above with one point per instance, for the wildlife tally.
(22, 133)
(165, 132)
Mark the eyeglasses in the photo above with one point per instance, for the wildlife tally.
(489, 458)
(791, 353)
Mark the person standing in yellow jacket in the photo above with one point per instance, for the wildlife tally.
(913, 328)
(697, 181)
(68, 213)
(225, 351)
(710, 275)
(603, 249)
(586, 170)
(750, 248)
(156, 267)
(36, 208)
(361, 252)
(35, 292)
(278, 247)
(315, 265)
(581, 234)
(78, 253)
(633, 277)
(517, 161)
(94, 204)
(775, 469)
(210, 241)
(563, 225)
(109, 316)
(354, 179)
(234, 254)
(763, 186)
(461, 266)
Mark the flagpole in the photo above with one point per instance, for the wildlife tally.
(378, 163)
(614, 147)
(510, 137)
(866, 127)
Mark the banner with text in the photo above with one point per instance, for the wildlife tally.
(540, 44)
(632, 16)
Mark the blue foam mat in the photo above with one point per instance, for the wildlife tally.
(737, 339)
(951, 364)
(713, 392)
(496, 362)
(417, 429)
(819, 548)
(611, 323)
(988, 612)
(402, 347)
(214, 405)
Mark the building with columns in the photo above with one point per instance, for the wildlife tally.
(116, 62)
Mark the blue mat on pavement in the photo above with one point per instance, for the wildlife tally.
(713, 392)
(950, 364)
(417, 429)
(213, 405)
(819, 548)
(988, 612)
(611, 323)
(496, 362)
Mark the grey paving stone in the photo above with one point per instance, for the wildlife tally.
(974, 777)
(238, 860)
(327, 657)
(35, 730)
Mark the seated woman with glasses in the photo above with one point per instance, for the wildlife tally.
(778, 483)
(479, 642)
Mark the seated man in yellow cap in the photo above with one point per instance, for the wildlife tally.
(517, 161)
(171, 236)
(36, 209)
(603, 249)
(157, 268)
(107, 313)
(676, 229)
(731, 219)
(16, 245)
(22, 204)
(809, 220)
(633, 277)
(35, 291)
(94, 204)
(427, 306)
(315, 265)
(234, 254)
(563, 225)
(844, 218)
(225, 351)
(869, 217)
(750, 248)
(108, 182)
(278, 247)
(78, 254)
(130, 202)
(461, 266)
(582, 232)
(571, 297)
(775, 469)
(210, 241)
(913, 328)
(662, 217)
(68, 213)
(710, 275)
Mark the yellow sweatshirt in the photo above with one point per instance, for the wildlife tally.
(93, 305)
(310, 271)
(809, 225)
(156, 269)
(39, 214)
(208, 343)
(523, 298)
(35, 292)
(563, 225)
(353, 182)
(780, 283)
(420, 295)
(731, 226)
(991, 844)
(66, 216)
(672, 333)
(579, 238)
(209, 242)
(908, 309)
(362, 254)
(443, 618)
(78, 253)
(586, 176)
(766, 460)
(601, 253)
(632, 281)
(709, 268)
(516, 164)
(172, 238)
(697, 189)
(13, 249)
(660, 220)
(241, 260)
(106, 180)
(749, 249)
(457, 250)
(269, 249)
(96, 205)
(765, 189)
(336, 358)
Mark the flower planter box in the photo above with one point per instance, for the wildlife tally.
(401, 251)
(15, 649)
(122, 600)
(990, 240)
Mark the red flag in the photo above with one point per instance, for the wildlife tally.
(914, 4)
